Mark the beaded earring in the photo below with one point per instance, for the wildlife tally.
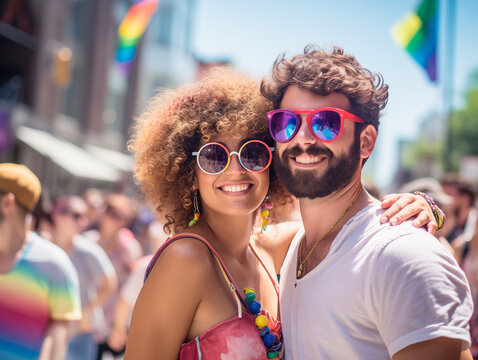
(267, 205)
(196, 209)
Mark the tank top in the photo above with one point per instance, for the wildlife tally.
(237, 338)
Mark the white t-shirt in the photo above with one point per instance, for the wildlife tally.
(132, 287)
(380, 289)
(92, 265)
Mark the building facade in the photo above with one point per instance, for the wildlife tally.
(65, 106)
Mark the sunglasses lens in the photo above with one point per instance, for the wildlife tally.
(283, 125)
(326, 124)
(115, 214)
(255, 156)
(78, 216)
(212, 158)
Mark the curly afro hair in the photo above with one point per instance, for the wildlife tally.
(174, 124)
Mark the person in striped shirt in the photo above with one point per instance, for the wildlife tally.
(39, 293)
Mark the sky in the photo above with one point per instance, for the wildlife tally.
(252, 33)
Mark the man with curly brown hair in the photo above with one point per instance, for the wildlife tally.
(352, 287)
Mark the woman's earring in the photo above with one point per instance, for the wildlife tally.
(268, 205)
(196, 209)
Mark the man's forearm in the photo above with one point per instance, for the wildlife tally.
(106, 288)
(56, 341)
(466, 355)
(436, 349)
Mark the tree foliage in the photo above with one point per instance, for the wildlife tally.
(463, 126)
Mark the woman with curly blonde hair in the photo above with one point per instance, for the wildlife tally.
(203, 156)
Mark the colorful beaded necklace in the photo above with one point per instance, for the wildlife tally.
(271, 340)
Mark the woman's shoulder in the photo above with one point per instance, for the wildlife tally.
(279, 234)
(170, 298)
(289, 228)
(275, 241)
(183, 257)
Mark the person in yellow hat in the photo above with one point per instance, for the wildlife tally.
(38, 283)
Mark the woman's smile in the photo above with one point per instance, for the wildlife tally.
(236, 189)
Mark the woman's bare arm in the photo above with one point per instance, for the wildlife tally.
(166, 306)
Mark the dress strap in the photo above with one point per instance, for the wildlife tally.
(231, 286)
(237, 294)
(273, 279)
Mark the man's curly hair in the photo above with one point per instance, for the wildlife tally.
(324, 73)
(174, 124)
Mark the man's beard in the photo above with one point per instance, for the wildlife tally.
(305, 183)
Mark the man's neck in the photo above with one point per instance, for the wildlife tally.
(321, 213)
(64, 241)
(109, 240)
(12, 253)
(323, 218)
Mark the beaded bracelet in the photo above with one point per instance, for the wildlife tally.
(437, 212)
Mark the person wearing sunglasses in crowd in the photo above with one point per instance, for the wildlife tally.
(352, 288)
(203, 156)
(95, 271)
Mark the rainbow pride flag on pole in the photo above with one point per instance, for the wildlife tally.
(132, 28)
(418, 34)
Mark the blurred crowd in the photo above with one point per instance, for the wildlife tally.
(110, 238)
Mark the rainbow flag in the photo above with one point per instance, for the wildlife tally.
(418, 34)
(132, 28)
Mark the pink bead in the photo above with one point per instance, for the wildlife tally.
(268, 204)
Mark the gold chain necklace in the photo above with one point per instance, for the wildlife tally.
(302, 262)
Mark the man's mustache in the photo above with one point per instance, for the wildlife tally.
(313, 151)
